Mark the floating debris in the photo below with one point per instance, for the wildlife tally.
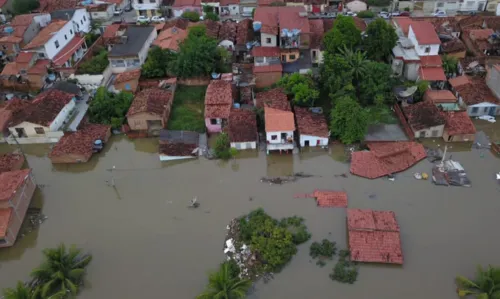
(451, 173)
(34, 219)
(343, 175)
(434, 155)
(285, 179)
(194, 204)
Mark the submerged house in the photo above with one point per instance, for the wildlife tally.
(178, 145)
(16, 190)
(424, 119)
(458, 127)
(218, 103)
(475, 96)
(242, 129)
(312, 127)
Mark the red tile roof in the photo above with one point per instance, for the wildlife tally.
(11, 181)
(481, 34)
(181, 3)
(244, 32)
(40, 67)
(440, 96)
(65, 54)
(25, 57)
(275, 18)
(127, 76)
(171, 38)
(19, 109)
(459, 81)
(423, 115)
(242, 125)
(266, 52)
(425, 33)
(453, 46)
(5, 118)
(111, 30)
(374, 236)
(212, 28)
(11, 39)
(403, 23)
(218, 99)
(81, 142)
(154, 101)
(309, 123)
(274, 98)
(45, 34)
(11, 69)
(53, 5)
(386, 158)
(278, 120)
(228, 31)
(317, 32)
(458, 123)
(11, 162)
(431, 60)
(476, 92)
(432, 74)
(273, 68)
(330, 199)
(3, 2)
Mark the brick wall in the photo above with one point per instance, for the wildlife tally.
(404, 123)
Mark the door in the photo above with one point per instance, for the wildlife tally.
(283, 137)
(318, 142)
(492, 111)
(306, 143)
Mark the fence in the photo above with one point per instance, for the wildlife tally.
(198, 81)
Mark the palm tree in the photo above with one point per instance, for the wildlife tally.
(486, 284)
(61, 273)
(357, 62)
(221, 285)
(20, 292)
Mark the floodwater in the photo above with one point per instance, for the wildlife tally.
(147, 244)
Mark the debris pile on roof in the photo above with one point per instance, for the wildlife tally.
(178, 143)
(212, 28)
(330, 199)
(385, 158)
(374, 236)
(274, 98)
(11, 162)
(242, 126)
(244, 32)
(78, 146)
(458, 123)
(153, 100)
(453, 46)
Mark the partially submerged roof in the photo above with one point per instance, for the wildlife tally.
(309, 123)
(218, 99)
(178, 143)
(386, 158)
(358, 219)
(476, 92)
(136, 38)
(328, 198)
(278, 120)
(423, 115)
(80, 142)
(458, 123)
(45, 34)
(152, 100)
(11, 162)
(242, 125)
(11, 181)
(425, 33)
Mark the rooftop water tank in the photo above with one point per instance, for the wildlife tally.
(257, 25)
(215, 75)
(236, 105)
(8, 29)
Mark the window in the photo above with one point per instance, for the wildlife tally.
(440, 4)
(434, 133)
(213, 121)
(485, 110)
(283, 136)
(65, 37)
(248, 145)
(56, 43)
(274, 137)
(427, 49)
(314, 54)
(39, 130)
(421, 134)
(474, 109)
(81, 22)
(84, 18)
(3, 241)
(71, 31)
(237, 145)
(268, 40)
(78, 26)
(152, 1)
(292, 57)
(41, 55)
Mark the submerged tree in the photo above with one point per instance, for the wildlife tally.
(348, 120)
(61, 273)
(485, 285)
(223, 284)
(21, 291)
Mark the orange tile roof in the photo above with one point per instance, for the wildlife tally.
(25, 57)
(11, 181)
(278, 120)
(171, 38)
(431, 60)
(45, 34)
(330, 199)
(11, 39)
(127, 76)
(432, 74)
(266, 52)
(4, 221)
(23, 20)
(440, 96)
(40, 67)
(459, 81)
(11, 69)
(481, 34)
(273, 18)
(80, 142)
(425, 33)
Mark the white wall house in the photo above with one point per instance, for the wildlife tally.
(244, 145)
(280, 126)
(484, 108)
(123, 57)
(431, 132)
(312, 141)
(147, 7)
(317, 56)
(471, 5)
(102, 12)
(423, 49)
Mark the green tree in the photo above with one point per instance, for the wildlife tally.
(380, 39)
(301, 87)
(198, 56)
(192, 16)
(96, 65)
(208, 8)
(21, 291)
(198, 30)
(485, 285)
(343, 34)
(20, 7)
(109, 108)
(336, 78)
(450, 64)
(348, 120)
(156, 65)
(366, 14)
(211, 16)
(224, 285)
(356, 61)
(376, 82)
(62, 271)
(222, 147)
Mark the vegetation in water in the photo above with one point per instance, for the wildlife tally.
(323, 250)
(485, 284)
(226, 284)
(345, 270)
(296, 226)
(223, 147)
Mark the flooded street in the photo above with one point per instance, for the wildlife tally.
(146, 243)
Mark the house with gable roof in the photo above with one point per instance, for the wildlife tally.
(218, 103)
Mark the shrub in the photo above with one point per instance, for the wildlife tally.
(366, 14)
(222, 147)
(295, 225)
(325, 249)
(192, 16)
(345, 272)
(109, 108)
(96, 65)
(211, 16)
(407, 9)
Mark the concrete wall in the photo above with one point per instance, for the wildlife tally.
(267, 79)
(357, 6)
(105, 15)
(493, 81)
(268, 40)
(428, 132)
(319, 56)
(62, 116)
(482, 109)
(458, 138)
(139, 121)
(269, 137)
(313, 140)
(31, 32)
(244, 145)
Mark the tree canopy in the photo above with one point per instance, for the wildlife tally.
(348, 120)
(109, 108)
(211, 16)
(20, 7)
(343, 34)
(380, 39)
(485, 285)
(156, 66)
(301, 87)
(376, 82)
(224, 284)
(96, 65)
(192, 16)
(21, 291)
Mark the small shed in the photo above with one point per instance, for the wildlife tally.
(127, 81)
(178, 145)
(77, 147)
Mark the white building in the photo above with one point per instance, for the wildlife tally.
(474, 95)
(424, 37)
(133, 48)
(312, 128)
(45, 118)
(147, 8)
(280, 126)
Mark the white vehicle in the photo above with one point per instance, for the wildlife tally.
(384, 15)
(395, 13)
(157, 19)
(439, 13)
(118, 12)
(488, 118)
(351, 14)
(143, 19)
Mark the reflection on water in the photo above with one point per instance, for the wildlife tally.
(279, 164)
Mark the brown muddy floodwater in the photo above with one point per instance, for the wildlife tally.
(147, 244)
